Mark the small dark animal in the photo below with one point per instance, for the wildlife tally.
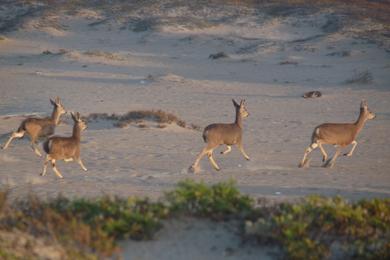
(312, 94)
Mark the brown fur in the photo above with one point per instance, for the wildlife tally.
(338, 134)
(65, 148)
(218, 134)
(37, 128)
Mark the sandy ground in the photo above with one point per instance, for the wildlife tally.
(98, 64)
(197, 239)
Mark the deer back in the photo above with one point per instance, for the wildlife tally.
(222, 134)
(38, 127)
(62, 147)
(332, 133)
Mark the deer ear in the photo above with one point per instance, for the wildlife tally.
(78, 116)
(52, 102)
(73, 116)
(235, 103)
(363, 103)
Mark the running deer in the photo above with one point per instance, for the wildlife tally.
(223, 134)
(39, 127)
(65, 148)
(340, 135)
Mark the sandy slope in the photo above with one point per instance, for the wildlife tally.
(196, 239)
(105, 68)
(104, 64)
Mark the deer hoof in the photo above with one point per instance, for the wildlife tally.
(328, 164)
(304, 164)
(193, 169)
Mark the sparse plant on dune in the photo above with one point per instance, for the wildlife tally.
(103, 54)
(139, 116)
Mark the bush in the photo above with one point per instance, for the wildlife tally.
(119, 218)
(309, 229)
(218, 201)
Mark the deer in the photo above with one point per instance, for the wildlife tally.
(338, 134)
(65, 148)
(37, 128)
(218, 134)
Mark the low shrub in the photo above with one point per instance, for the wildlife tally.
(310, 229)
(219, 201)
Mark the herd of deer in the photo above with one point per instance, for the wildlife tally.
(68, 148)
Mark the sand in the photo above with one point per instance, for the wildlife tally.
(99, 63)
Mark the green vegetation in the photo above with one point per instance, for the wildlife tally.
(314, 228)
(219, 201)
(309, 229)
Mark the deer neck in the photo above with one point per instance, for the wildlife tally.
(76, 132)
(238, 120)
(360, 121)
(55, 116)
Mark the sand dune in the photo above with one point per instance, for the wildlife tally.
(157, 57)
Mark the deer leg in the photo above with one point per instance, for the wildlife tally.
(354, 143)
(195, 166)
(81, 164)
(34, 147)
(324, 154)
(212, 161)
(57, 172)
(330, 163)
(228, 150)
(308, 150)
(47, 159)
(241, 148)
(13, 135)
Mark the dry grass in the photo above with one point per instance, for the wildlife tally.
(103, 54)
(288, 62)
(139, 117)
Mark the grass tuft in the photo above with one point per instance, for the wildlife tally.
(140, 116)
